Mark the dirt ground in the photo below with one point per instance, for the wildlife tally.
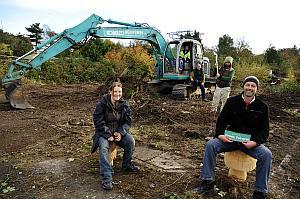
(45, 152)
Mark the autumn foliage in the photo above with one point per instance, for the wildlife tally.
(132, 61)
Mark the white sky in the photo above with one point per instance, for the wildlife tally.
(261, 23)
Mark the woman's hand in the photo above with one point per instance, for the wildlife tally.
(117, 136)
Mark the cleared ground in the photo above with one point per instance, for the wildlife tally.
(45, 151)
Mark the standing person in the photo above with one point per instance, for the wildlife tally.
(224, 77)
(112, 120)
(197, 78)
(244, 113)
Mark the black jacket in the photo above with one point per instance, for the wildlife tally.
(109, 119)
(198, 75)
(253, 120)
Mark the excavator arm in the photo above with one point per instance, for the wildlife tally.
(65, 40)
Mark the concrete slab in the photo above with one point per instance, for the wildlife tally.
(172, 162)
(164, 161)
(145, 154)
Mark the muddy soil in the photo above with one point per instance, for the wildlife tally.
(45, 152)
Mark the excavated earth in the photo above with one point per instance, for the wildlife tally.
(45, 152)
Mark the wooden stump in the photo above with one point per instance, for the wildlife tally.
(112, 152)
(239, 163)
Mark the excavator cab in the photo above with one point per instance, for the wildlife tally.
(177, 66)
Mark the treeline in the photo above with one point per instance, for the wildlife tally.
(284, 63)
(95, 61)
(101, 59)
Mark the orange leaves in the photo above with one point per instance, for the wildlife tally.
(136, 59)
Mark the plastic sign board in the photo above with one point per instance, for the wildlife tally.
(238, 137)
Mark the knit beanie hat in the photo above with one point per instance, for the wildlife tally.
(251, 79)
(229, 60)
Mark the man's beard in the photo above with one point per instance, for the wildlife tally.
(249, 93)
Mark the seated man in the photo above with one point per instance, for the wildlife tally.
(244, 113)
(197, 78)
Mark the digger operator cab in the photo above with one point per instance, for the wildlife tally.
(185, 53)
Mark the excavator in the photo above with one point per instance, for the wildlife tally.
(171, 71)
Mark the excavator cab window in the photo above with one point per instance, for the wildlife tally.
(185, 58)
(170, 58)
(197, 54)
(206, 66)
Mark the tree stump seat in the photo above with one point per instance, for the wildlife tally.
(112, 152)
(239, 163)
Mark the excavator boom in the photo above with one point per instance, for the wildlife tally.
(172, 71)
(65, 40)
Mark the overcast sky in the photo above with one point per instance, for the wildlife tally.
(260, 23)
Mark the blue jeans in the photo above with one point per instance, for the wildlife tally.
(106, 171)
(198, 83)
(261, 153)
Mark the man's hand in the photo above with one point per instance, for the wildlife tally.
(117, 136)
(218, 75)
(202, 83)
(249, 144)
(224, 138)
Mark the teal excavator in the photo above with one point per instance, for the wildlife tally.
(171, 72)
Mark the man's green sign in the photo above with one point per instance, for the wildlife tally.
(238, 137)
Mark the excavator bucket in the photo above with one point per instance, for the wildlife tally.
(14, 94)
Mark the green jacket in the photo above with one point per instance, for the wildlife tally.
(226, 76)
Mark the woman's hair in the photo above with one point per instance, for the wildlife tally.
(115, 84)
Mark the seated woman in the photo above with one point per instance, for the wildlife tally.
(112, 120)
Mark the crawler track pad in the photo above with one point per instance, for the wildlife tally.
(15, 95)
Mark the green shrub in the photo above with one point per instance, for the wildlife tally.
(73, 71)
(258, 70)
(51, 72)
(286, 87)
(4, 63)
(34, 75)
(97, 71)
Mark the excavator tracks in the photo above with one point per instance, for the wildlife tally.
(185, 92)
